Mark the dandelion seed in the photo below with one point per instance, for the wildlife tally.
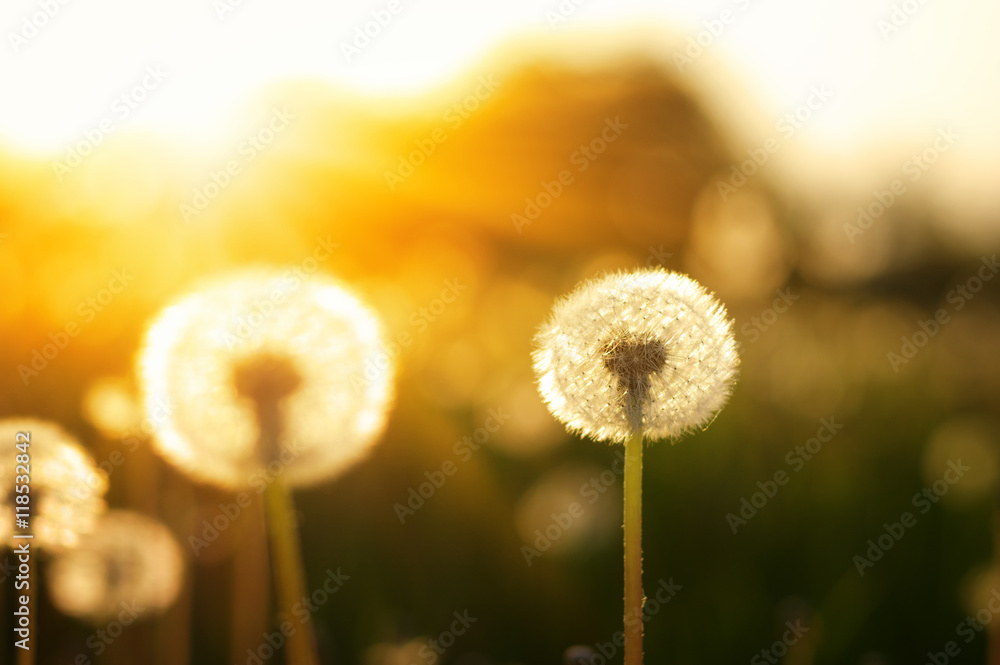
(129, 561)
(309, 348)
(648, 350)
(66, 488)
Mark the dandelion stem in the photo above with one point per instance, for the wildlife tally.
(267, 379)
(633, 549)
(993, 634)
(251, 594)
(287, 563)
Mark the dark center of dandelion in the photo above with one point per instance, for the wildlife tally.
(267, 379)
(120, 569)
(633, 360)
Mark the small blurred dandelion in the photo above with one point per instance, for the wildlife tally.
(384, 653)
(66, 492)
(646, 354)
(129, 559)
(261, 369)
(110, 406)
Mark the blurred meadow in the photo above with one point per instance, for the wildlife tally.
(858, 267)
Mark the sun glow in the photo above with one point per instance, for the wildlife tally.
(183, 67)
(187, 65)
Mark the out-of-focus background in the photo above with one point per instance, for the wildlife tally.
(829, 170)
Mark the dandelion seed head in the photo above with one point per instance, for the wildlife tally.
(266, 340)
(109, 405)
(649, 351)
(67, 490)
(129, 559)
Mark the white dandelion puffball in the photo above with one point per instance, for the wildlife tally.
(130, 562)
(648, 351)
(65, 491)
(307, 346)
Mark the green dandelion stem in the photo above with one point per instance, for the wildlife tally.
(267, 380)
(633, 549)
(287, 563)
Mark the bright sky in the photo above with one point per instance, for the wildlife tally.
(65, 64)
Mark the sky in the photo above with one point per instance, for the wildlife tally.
(896, 72)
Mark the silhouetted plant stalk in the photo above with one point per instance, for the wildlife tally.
(267, 380)
(288, 573)
(993, 632)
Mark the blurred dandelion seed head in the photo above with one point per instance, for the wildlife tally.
(109, 405)
(554, 494)
(978, 587)
(386, 653)
(648, 350)
(220, 355)
(970, 441)
(67, 490)
(128, 559)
